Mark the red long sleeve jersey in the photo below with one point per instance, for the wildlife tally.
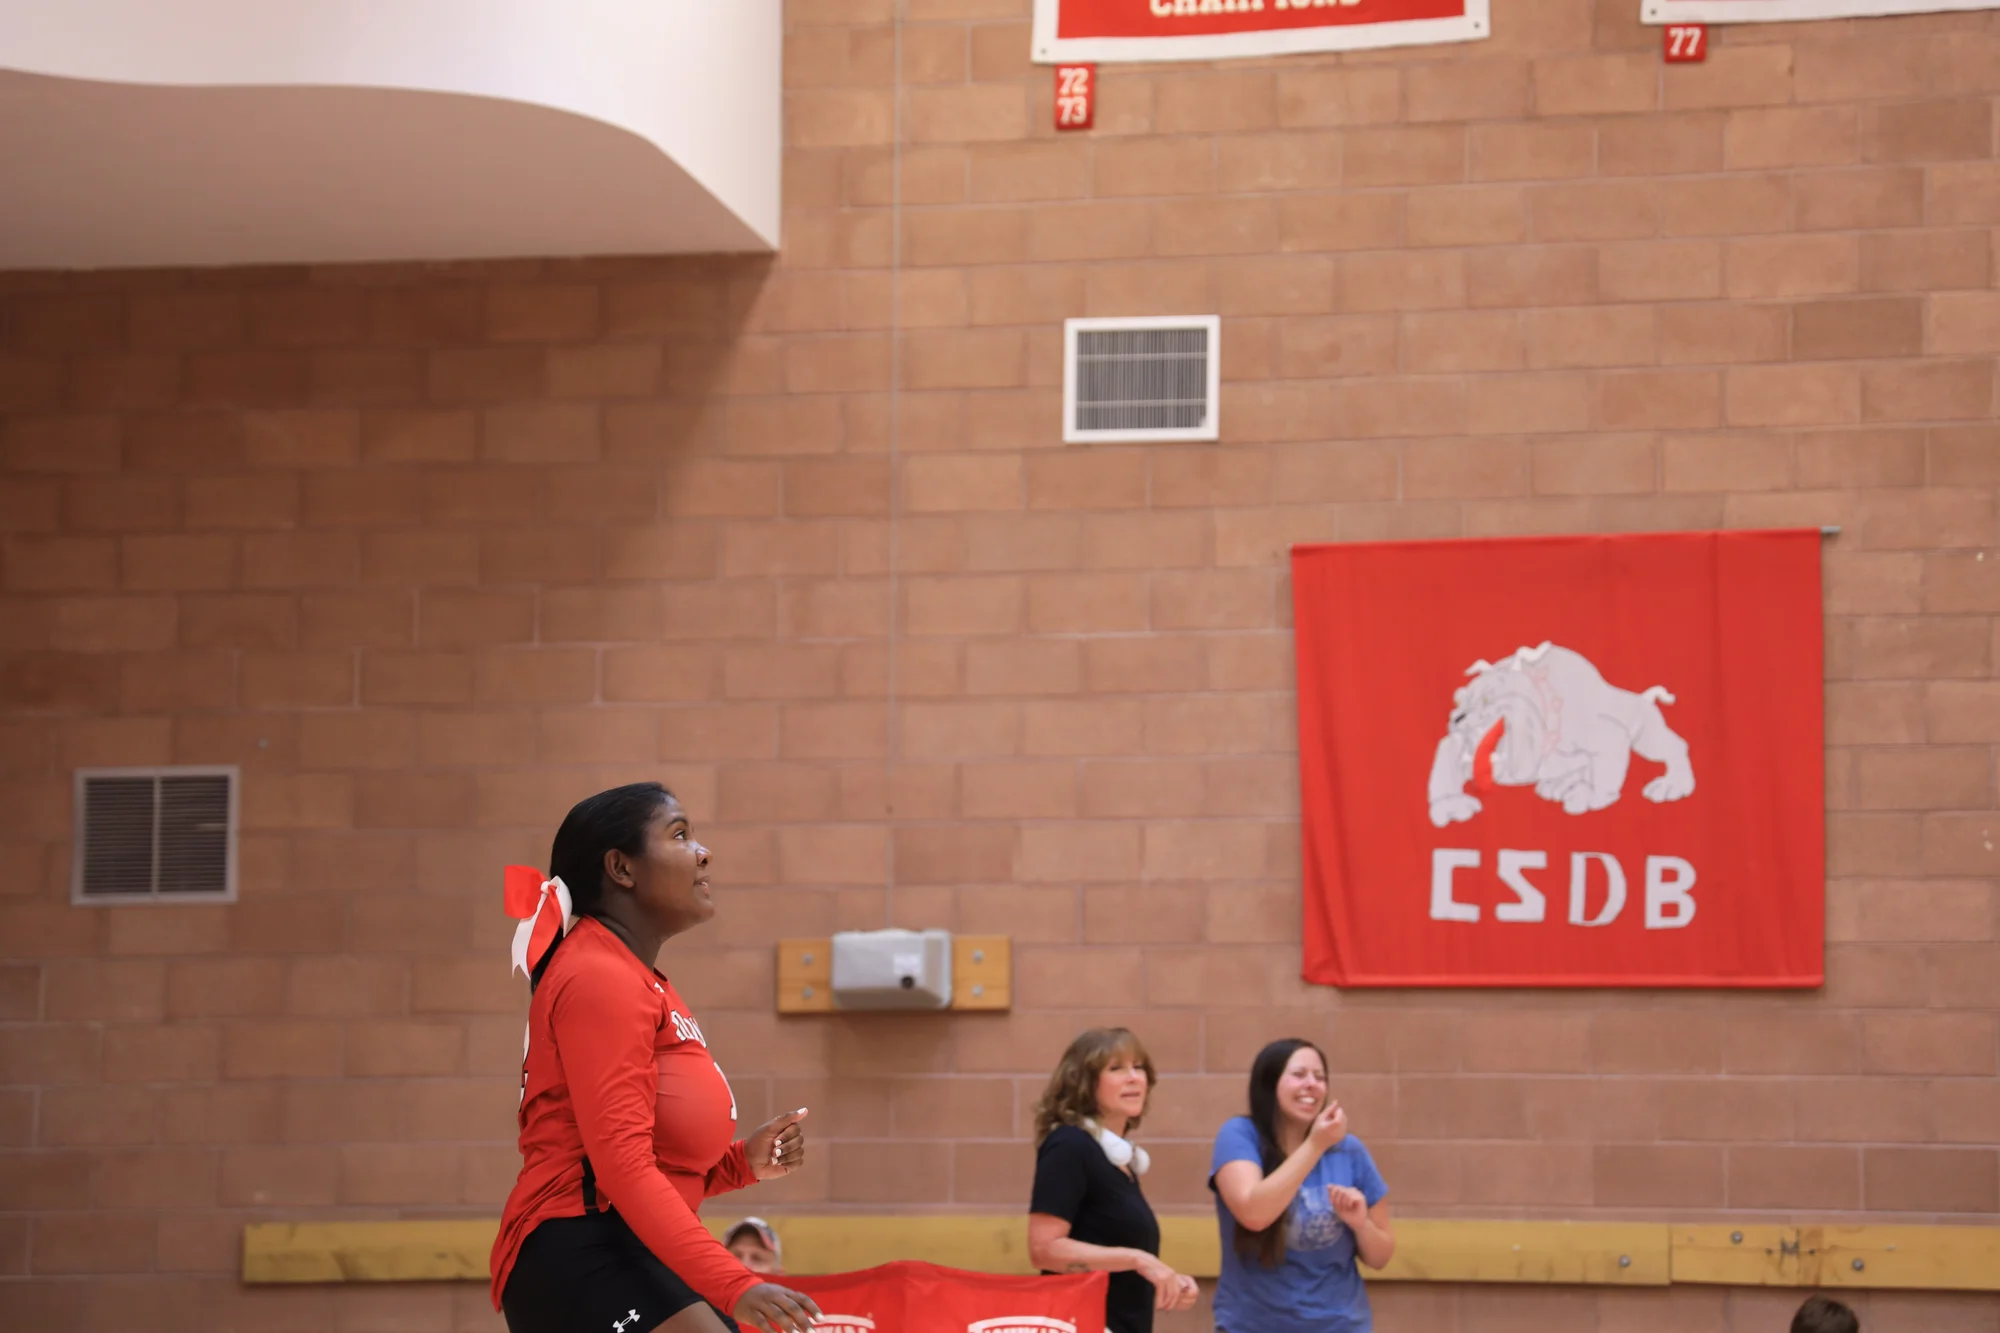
(617, 1079)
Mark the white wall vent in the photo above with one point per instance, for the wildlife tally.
(1151, 378)
(155, 835)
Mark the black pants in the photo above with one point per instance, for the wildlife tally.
(590, 1274)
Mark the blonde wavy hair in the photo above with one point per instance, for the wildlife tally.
(1071, 1097)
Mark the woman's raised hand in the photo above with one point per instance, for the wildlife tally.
(1329, 1127)
(778, 1146)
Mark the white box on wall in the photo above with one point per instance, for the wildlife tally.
(892, 969)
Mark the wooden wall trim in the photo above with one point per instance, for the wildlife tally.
(1627, 1254)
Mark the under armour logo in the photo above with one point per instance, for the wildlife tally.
(631, 1317)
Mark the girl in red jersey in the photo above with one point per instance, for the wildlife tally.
(626, 1120)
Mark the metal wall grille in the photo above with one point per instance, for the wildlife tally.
(155, 834)
(1142, 379)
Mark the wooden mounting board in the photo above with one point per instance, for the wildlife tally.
(1892, 1257)
(1563, 1253)
(1597, 1254)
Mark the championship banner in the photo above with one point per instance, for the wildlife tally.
(1113, 30)
(1563, 761)
(911, 1297)
(1777, 11)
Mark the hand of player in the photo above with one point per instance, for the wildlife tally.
(1350, 1205)
(774, 1309)
(778, 1146)
(1189, 1293)
(1329, 1128)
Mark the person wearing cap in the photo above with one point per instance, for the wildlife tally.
(756, 1247)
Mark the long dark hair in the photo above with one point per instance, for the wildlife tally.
(611, 820)
(1267, 1247)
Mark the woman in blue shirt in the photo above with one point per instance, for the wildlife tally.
(1298, 1200)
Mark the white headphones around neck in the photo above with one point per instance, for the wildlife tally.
(1122, 1151)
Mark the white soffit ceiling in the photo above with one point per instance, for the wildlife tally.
(201, 132)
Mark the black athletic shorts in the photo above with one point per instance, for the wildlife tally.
(590, 1274)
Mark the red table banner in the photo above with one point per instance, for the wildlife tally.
(911, 1297)
(1069, 31)
(1776, 11)
(1563, 761)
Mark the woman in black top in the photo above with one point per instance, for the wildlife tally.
(1088, 1213)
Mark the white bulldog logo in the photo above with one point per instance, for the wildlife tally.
(1545, 717)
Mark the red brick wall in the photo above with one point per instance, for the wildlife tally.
(432, 552)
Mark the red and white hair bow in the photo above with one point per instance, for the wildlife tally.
(543, 908)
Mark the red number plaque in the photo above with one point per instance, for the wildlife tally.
(1076, 96)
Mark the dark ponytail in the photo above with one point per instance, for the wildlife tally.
(611, 820)
(1267, 1247)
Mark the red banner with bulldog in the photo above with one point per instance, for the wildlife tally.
(1563, 761)
(911, 1297)
(1112, 30)
(1776, 11)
